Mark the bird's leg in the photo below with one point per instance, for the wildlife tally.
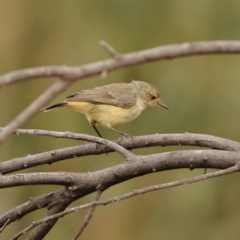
(115, 130)
(99, 134)
(93, 124)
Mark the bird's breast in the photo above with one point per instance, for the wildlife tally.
(107, 115)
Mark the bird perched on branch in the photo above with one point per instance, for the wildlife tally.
(113, 104)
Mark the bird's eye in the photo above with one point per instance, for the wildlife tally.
(153, 97)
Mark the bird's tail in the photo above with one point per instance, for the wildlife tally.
(57, 105)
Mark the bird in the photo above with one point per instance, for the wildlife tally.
(113, 104)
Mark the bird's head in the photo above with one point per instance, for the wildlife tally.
(150, 95)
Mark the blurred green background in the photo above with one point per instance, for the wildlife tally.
(202, 93)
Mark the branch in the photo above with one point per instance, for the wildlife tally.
(4, 225)
(50, 178)
(110, 49)
(50, 157)
(136, 167)
(128, 195)
(128, 59)
(32, 205)
(77, 136)
(83, 184)
(88, 182)
(33, 108)
(58, 206)
(89, 215)
(189, 139)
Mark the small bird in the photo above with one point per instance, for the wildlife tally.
(113, 104)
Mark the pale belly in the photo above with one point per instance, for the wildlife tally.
(106, 115)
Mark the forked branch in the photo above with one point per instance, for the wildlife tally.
(128, 195)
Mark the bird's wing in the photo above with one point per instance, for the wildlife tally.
(117, 94)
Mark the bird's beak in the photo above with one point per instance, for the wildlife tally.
(163, 105)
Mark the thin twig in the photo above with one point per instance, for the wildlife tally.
(89, 215)
(128, 195)
(70, 135)
(4, 225)
(109, 49)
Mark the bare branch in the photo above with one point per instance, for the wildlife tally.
(81, 184)
(33, 108)
(31, 73)
(130, 169)
(32, 205)
(189, 139)
(54, 178)
(129, 59)
(128, 195)
(50, 157)
(58, 206)
(88, 182)
(55, 202)
(89, 215)
(112, 145)
(4, 225)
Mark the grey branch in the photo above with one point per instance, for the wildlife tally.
(33, 108)
(5, 224)
(89, 215)
(190, 139)
(129, 59)
(128, 195)
(130, 169)
(70, 135)
(81, 184)
(88, 182)
(226, 154)
(186, 139)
